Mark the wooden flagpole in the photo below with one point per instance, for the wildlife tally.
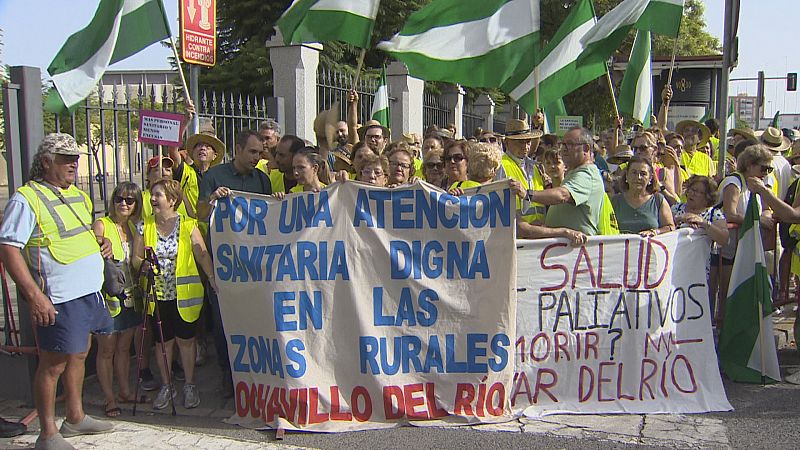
(359, 66)
(611, 89)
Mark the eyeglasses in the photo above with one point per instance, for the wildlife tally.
(433, 165)
(487, 140)
(455, 159)
(767, 169)
(696, 191)
(404, 166)
(370, 172)
(571, 145)
(643, 148)
(128, 200)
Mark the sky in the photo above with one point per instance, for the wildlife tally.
(766, 32)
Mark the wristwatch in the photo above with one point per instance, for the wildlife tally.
(662, 188)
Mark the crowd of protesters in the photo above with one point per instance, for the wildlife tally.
(645, 181)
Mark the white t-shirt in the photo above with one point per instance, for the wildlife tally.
(63, 282)
(783, 172)
(744, 192)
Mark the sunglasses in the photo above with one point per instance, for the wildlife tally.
(487, 140)
(455, 159)
(643, 148)
(767, 169)
(433, 165)
(128, 200)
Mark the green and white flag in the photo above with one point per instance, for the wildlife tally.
(476, 44)
(119, 29)
(774, 123)
(657, 16)
(349, 21)
(746, 344)
(636, 91)
(380, 106)
(558, 73)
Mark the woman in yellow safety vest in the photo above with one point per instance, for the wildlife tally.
(179, 249)
(113, 349)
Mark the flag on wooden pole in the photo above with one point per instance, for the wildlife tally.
(119, 29)
(329, 20)
(636, 91)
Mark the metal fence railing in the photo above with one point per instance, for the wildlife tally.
(435, 111)
(470, 121)
(107, 126)
(334, 86)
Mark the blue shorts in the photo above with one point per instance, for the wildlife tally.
(75, 320)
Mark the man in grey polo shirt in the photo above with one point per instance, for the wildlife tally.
(576, 203)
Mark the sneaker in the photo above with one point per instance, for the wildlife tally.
(147, 381)
(177, 372)
(191, 398)
(11, 429)
(89, 425)
(54, 442)
(163, 397)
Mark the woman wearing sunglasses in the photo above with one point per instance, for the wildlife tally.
(433, 168)
(754, 161)
(455, 162)
(113, 355)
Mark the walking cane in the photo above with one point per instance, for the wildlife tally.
(151, 296)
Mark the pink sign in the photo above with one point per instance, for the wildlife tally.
(158, 127)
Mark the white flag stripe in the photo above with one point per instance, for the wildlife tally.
(563, 54)
(133, 5)
(626, 13)
(381, 101)
(514, 20)
(644, 93)
(368, 9)
(74, 84)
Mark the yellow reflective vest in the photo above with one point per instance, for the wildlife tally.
(112, 233)
(190, 185)
(535, 212)
(65, 233)
(189, 287)
(147, 208)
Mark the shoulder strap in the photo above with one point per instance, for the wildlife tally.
(60, 196)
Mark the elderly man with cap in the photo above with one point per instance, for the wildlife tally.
(777, 143)
(695, 135)
(47, 246)
(518, 166)
(206, 151)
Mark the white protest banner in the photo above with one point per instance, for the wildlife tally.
(160, 128)
(618, 325)
(566, 123)
(361, 307)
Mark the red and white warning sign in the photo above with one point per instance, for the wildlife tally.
(199, 31)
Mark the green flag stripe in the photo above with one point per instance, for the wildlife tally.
(662, 18)
(84, 44)
(503, 61)
(140, 28)
(292, 18)
(320, 26)
(449, 12)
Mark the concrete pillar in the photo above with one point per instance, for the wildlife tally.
(294, 77)
(484, 106)
(31, 118)
(454, 97)
(406, 108)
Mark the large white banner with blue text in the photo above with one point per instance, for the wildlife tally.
(620, 324)
(361, 307)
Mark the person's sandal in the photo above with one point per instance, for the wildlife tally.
(112, 412)
(129, 400)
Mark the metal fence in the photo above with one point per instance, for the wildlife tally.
(334, 86)
(107, 125)
(470, 121)
(435, 111)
